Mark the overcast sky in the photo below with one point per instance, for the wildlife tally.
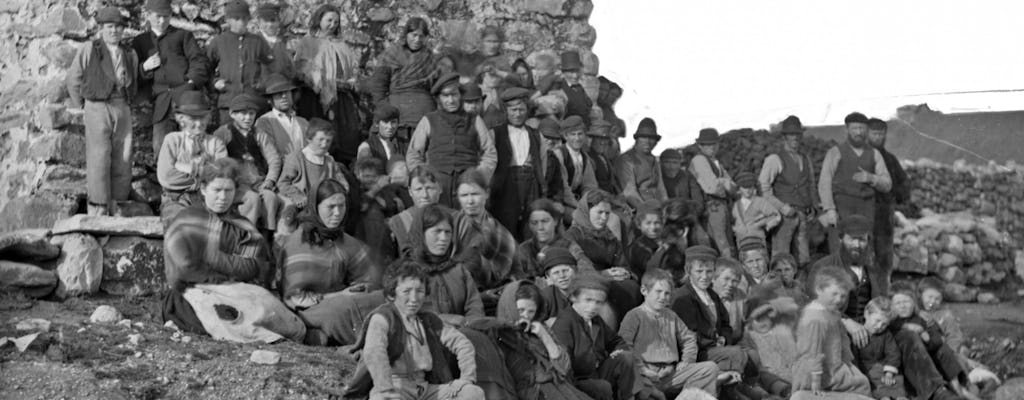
(734, 64)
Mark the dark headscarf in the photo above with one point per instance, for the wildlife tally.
(581, 216)
(314, 230)
(426, 218)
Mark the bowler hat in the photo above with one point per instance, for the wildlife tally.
(278, 83)
(707, 136)
(599, 128)
(555, 256)
(701, 252)
(792, 125)
(570, 124)
(855, 225)
(571, 61)
(745, 180)
(647, 129)
(159, 7)
(385, 112)
(515, 93)
(237, 9)
(269, 12)
(549, 128)
(109, 15)
(471, 92)
(448, 79)
(855, 118)
(748, 243)
(247, 101)
(192, 103)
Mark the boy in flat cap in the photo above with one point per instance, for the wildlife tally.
(105, 74)
(451, 141)
(638, 170)
(172, 63)
(239, 59)
(575, 166)
(519, 174)
(718, 189)
(851, 175)
(383, 144)
(787, 181)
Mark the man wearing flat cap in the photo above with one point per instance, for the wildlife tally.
(787, 181)
(718, 188)
(383, 144)
(450, 140)
(519, 172)
(575, 166)
(639, 171)
(239, 59)
(854, 256)
(104, 75)
(172, 63)
(552, 141)
(851, 175)
(604, 168)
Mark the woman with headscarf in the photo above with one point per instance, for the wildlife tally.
(404, 75)
(545, 233)
(328, 67)
(328, 277)
(218, 268)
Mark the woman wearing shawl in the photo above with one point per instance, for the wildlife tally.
(452, 292)
(328, 277)
(329, 67)
(424, 189)
(210, 253)
(546, 232)
(404, 74)
(478, 232)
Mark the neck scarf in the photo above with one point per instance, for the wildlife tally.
(581, 219)
(314, 231)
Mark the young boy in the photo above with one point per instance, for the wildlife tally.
(772, 343)
(666, 348)
(602, 365)
(383, 144)
(752, 215)
(238, 57)
(281, 123)
(880, 358)
(258, 157)
(650, 222)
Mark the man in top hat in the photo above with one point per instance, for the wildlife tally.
(281, 123)
(104, 74)
(787, 181)
(851, 175)
(268, 18)
(173, 63)
(472, 98)
(854, 257)
(383, 144)
(885, 202)
(600, 139)
(184, 154)
(451, 140)
(238, 57)
(718, 188)
(519, 174)
(638, 170)
(579, 103)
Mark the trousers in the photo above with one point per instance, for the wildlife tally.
(108, 150)
(718, 226)
(791, 237)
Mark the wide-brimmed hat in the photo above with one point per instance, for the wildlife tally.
(448, 79)
(571, 61)
(278, 83)
(792, 126)
(192, 103)
(247, 101)
(109, 15)
(159, 7)
(599, 128)
(549, 128)
(471, 92)
(707, 136)
(237, 9)
(647, 129)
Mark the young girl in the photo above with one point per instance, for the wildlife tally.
(824, 359)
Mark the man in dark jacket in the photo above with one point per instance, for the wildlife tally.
(518, 175)
(240, 60)
(172, 63)
(885, 203)
(604, 169)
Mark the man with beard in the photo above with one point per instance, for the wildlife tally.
(638, 170)
(885, 203)
(450, 140)
(787, 182)
(518, 175)
(854, 259)
(851, 174)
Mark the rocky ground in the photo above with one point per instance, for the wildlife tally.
(77, 359)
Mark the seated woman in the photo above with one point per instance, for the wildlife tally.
(218, 267)
(184, 153)
(328, 277)
(452, 291)
(479, 233)
(546, 233)
(403, 347)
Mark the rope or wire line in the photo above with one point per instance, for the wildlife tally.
(950, 144)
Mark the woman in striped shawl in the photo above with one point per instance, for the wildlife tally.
(329, 277)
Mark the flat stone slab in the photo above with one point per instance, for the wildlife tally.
(150, 227)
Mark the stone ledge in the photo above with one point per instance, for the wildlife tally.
(149, 227)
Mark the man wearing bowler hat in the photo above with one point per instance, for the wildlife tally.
(184, 154)
(172, 63)
(519, 173)
(472, 98)
(451, 140)
(851, 175)
(787, 181)
(104, 75)
(579, 103)
(639, 171)
(718, 188)
(239, 59)
(604, 168)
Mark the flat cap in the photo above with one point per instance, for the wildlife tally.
(671, 154)
(748, 243)
(550, 129)
(237, 9)
(247, 101)
(269, 12)
(159, 7)
(555, 256)
(855, 118)
(589, 280)
(445, 80)
(701, 252)
(745, 179)
(599, 128)
(109, 15)
(515, 93)
(385, 112)
(572, 123)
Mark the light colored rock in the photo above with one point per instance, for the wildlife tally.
(37, 211)
(432, 5)
(952, 244)
(582, 9)
(80, 266)
(28, 278)
(947, 260)
(988, 298)
(972, 253)
(134, 339)
(265, 357)
(28, 244)
(953, 275)
(1018, 263)
(380, 14)
(64, 180)
(554, 8)
(33, 324)
(150, 227)
(1012, 389)
(105, 315)
(133, 266)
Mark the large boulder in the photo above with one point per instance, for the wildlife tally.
(27, 244)
(26, 278)
(133, 266)
(80, 266)
(150, 227)
(36, 211)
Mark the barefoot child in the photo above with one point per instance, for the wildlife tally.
(880, 358)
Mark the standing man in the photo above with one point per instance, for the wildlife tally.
(600, 139)
(578, 103)
(638, 170)
(104, 73)
(518, 175)
(238, 58)
(852, 173)
(787, 182)
(885, 203)
(450, 140)
(718, 189)
(268, 18)
(173, 63)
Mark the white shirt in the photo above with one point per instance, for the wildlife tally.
(859, 271)
(706, 299)
(291, 126)
(520, 139)
(744, 203)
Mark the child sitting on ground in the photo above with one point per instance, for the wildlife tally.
(880, 358)
(932, 309)
(665, 347)
(770, 342)
(650, 222)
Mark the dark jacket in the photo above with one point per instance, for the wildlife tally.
(240, 60)
(860, 295)
(586, 351)
(183, 66)
(696, 316)
(900, 192)
(92, 76)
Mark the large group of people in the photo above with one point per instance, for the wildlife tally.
(485, 238)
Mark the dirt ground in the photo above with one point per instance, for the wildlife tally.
(79, 360)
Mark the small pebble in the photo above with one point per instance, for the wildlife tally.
(134, 339)
(186, 339)
(127, 323)
(265, 357)
(138, 354)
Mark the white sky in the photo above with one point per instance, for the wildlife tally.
(734, 64)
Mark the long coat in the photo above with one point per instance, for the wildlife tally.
(697, 317)
(183, 66)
